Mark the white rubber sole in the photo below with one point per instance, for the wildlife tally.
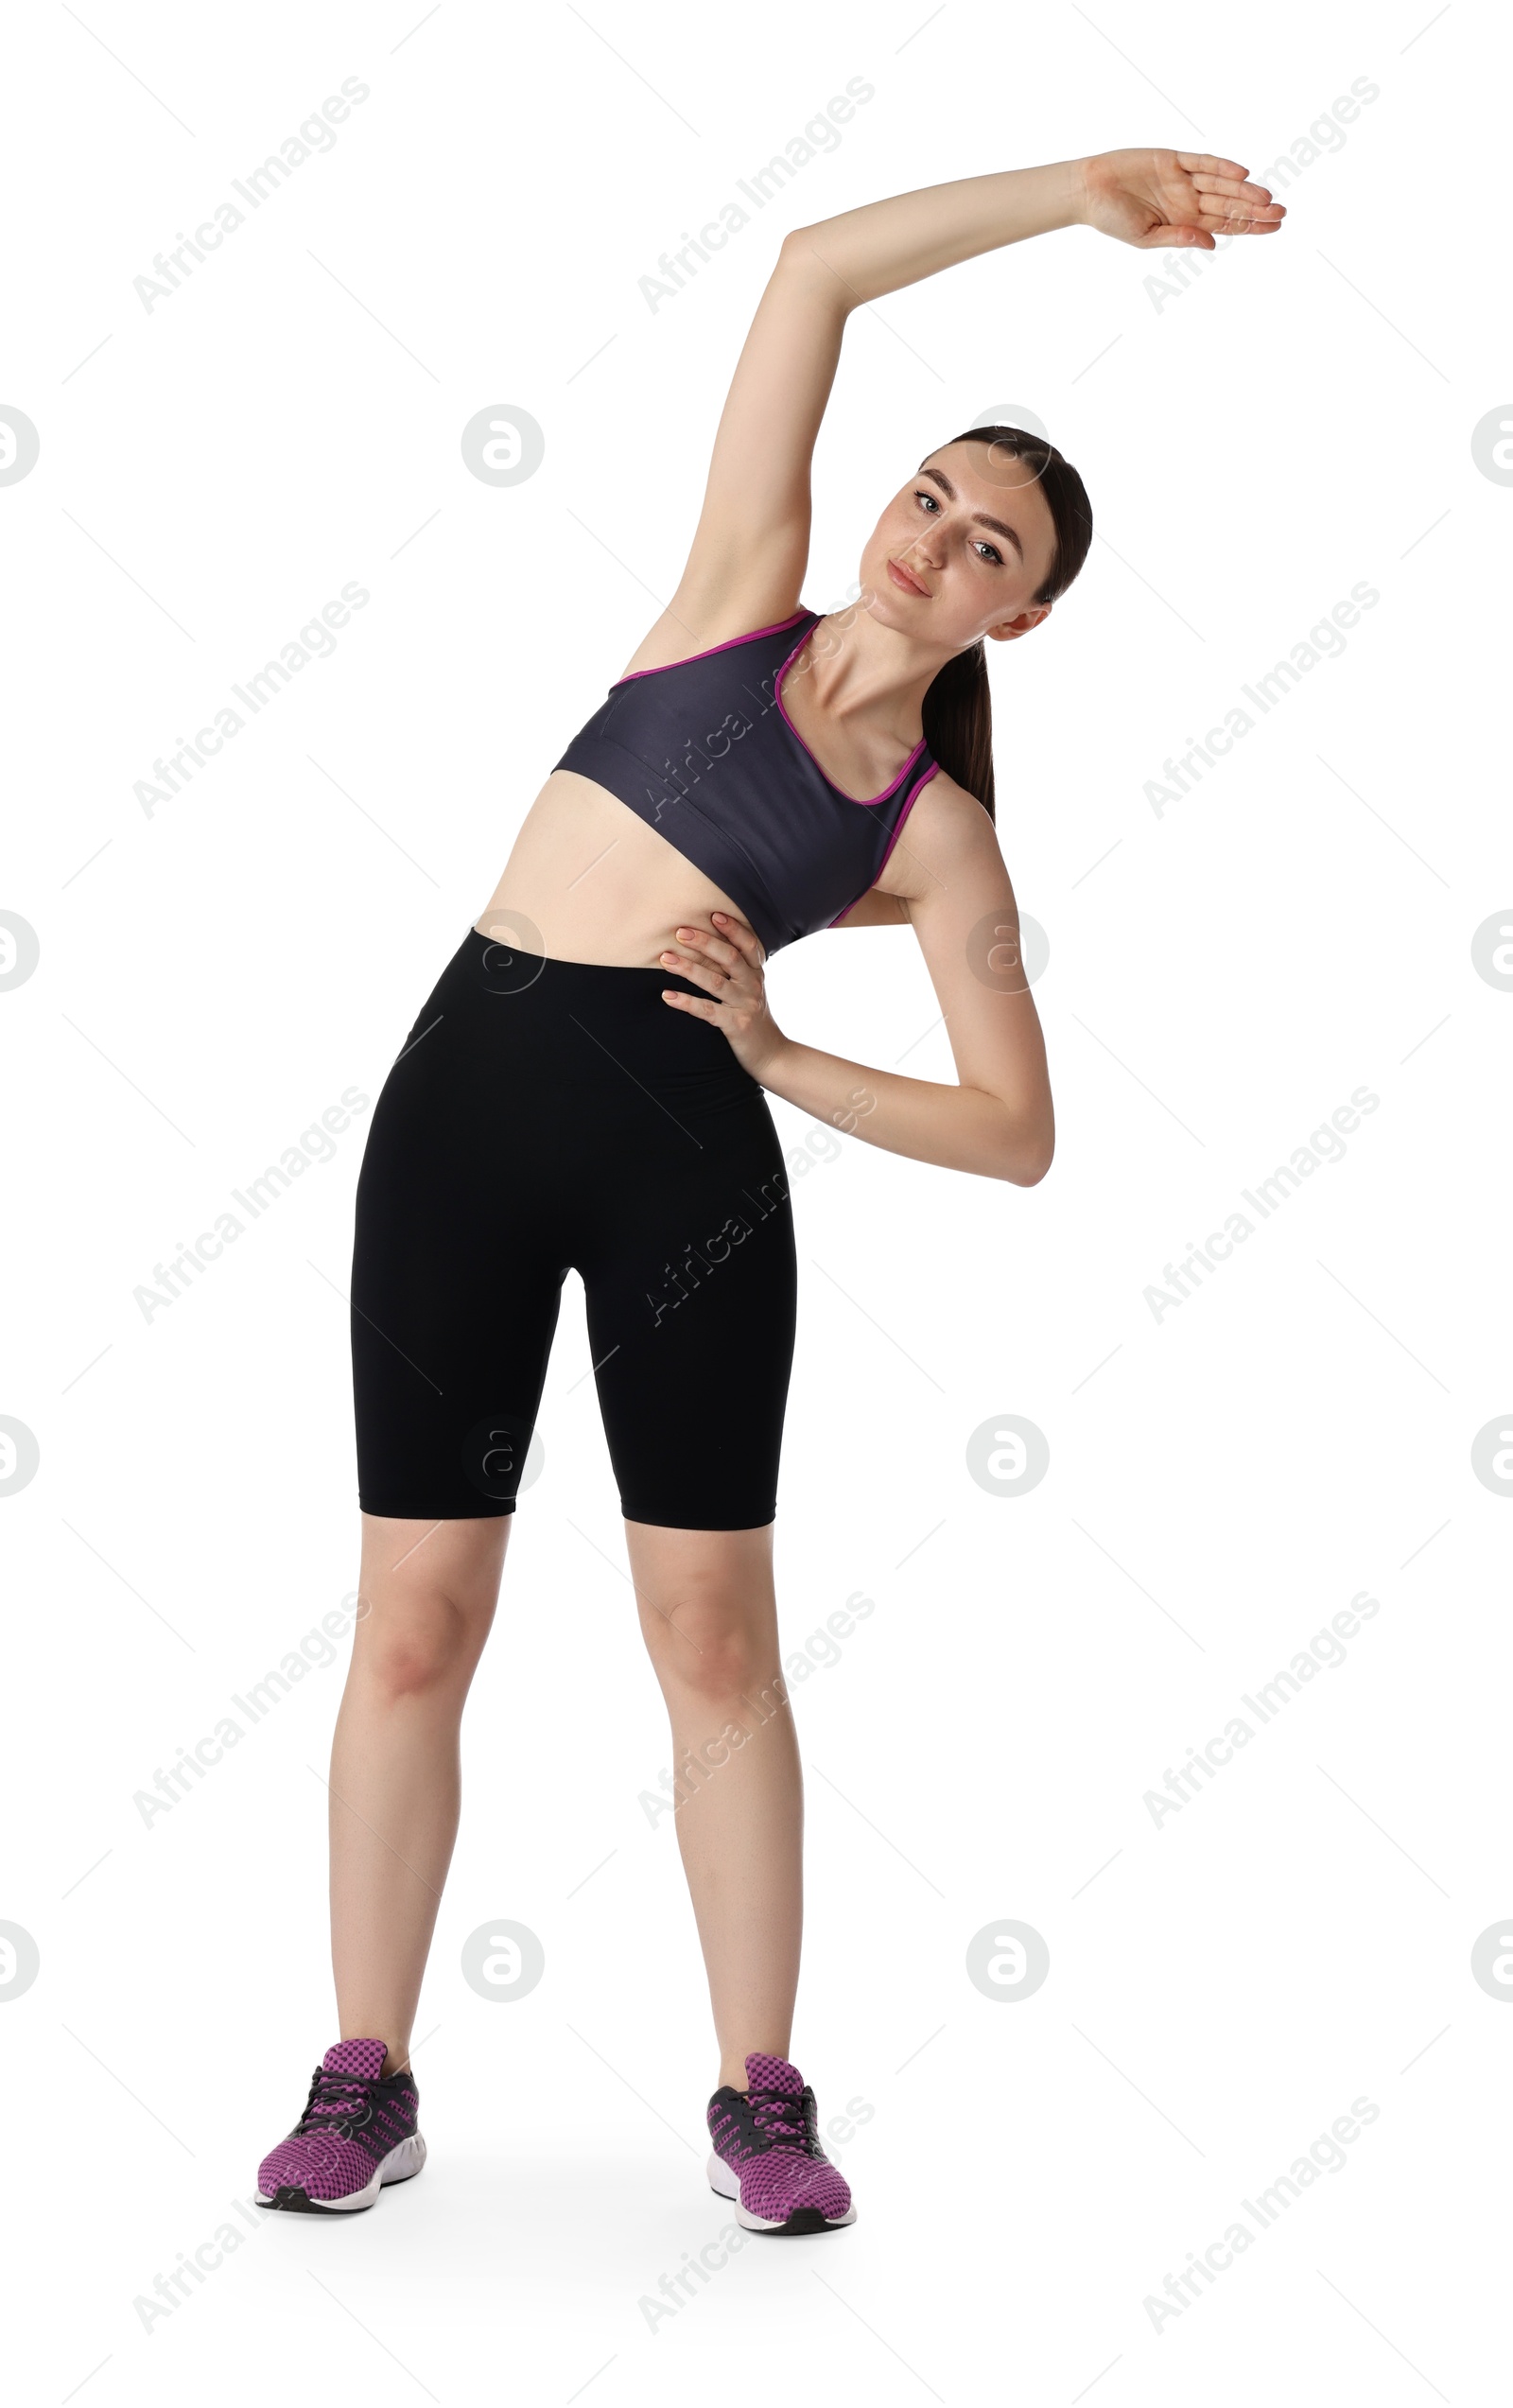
(401, 2165)
(725, 2180)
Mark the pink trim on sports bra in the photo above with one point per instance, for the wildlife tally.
(864, 801)
(728, 645)
(892, 841)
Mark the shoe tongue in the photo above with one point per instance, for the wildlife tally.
(773, 2073)
(364, 2058)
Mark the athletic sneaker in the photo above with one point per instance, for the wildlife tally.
(767, 2154)
(357, 2132)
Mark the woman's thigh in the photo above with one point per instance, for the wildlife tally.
(458, 1258)
(692, 1299)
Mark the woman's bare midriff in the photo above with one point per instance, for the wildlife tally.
(587, 880)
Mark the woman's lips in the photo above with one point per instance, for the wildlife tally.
(911, 584)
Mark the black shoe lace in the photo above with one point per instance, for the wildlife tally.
(778, 2118)
(335, 2099)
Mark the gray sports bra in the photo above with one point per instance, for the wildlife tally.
(705, 752)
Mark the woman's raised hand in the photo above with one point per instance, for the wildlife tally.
(1173, 200)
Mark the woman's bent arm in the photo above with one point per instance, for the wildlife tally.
(958, 1128)
(955, 891)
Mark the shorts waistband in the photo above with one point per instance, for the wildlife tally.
(614, 1008)
(513, 968)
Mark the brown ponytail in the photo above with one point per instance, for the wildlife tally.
(957, 712)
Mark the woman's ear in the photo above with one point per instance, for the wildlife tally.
(1008, 628)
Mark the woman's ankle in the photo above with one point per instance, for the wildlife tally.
(733, 2069)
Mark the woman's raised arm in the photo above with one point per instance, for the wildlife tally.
(750, 550)
(751, 546)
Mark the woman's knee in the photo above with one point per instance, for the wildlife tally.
(713, 1644)
(417, 1644)
(424, 1611)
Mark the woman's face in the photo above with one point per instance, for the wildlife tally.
(960, 549)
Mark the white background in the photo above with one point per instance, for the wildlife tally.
(1222, 975)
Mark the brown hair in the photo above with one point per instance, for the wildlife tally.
(958, 710)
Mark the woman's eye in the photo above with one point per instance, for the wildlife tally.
(930, 498)
(992, 553)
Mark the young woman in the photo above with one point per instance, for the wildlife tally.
(584, 1088)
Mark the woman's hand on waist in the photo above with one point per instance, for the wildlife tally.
(728, 966)
(961, 1127)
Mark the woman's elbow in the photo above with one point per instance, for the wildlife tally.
(1027, 1169)
(1029, 1156)
(1010, 1143)
(803, 263)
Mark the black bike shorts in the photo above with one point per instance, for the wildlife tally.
(547, 1116)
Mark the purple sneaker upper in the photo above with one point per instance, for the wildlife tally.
(768, 2135)
(352, 2119)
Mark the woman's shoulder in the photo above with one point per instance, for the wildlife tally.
(945, 828)
(946, 812)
